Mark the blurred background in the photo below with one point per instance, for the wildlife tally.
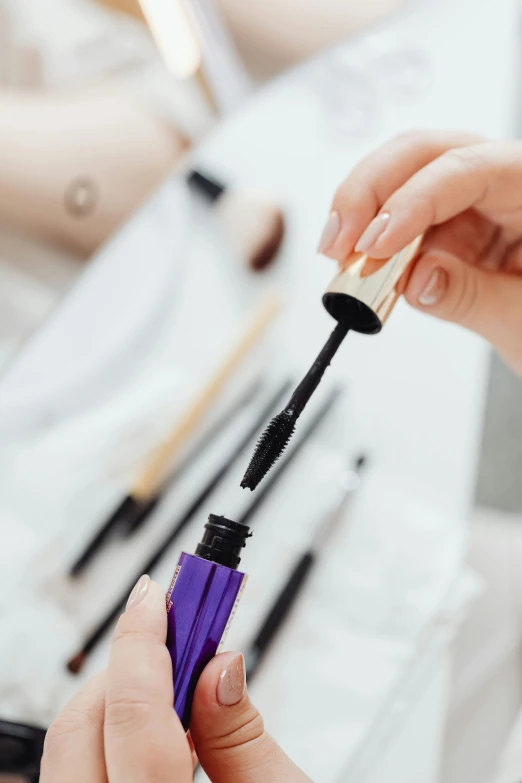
(166, 167)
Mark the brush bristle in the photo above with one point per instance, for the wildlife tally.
(255, 227)
(75, 664)
(269, 448)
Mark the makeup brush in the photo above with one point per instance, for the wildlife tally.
(254, 227)
(76, 663)
(197, 44)
(300, 572)
(129, 517)
(277, 434)
(143, 495)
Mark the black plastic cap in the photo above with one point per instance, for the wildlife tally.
(223, 541)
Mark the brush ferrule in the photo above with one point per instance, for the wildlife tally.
(208, 187)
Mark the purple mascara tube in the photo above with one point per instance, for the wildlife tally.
(201, 603)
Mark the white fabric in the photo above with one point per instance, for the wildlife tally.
(67, 43)
(486, 691)
(510, 768)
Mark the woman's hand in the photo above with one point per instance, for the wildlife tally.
(121, 727)
(467, 194)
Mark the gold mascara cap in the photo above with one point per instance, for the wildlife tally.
(366, 289)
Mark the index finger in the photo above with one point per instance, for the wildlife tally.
(73, 747)
(144, 739)
(484, 176)
(377, 176)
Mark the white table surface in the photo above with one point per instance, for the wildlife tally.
(415, 400)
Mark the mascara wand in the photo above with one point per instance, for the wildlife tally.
(360, 297)
(277, 434)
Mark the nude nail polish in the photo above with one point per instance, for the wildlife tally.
(139, 592)
(372, 233)
(435, 288)
(232, 682)
(330, 232)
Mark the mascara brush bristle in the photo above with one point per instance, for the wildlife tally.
(269, 448)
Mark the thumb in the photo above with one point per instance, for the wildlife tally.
(228, 731)
(485, 301)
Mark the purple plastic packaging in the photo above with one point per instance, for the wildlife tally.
(201, 604)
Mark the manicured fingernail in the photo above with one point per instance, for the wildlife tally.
(373, 232)
(330, 232)
(139, 591)
(232, 682)
(435, 288)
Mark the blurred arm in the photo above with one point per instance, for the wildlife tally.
(73, 167)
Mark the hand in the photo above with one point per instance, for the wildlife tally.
(466, 192)
(121, 727)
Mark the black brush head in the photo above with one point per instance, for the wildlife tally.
(269, 447)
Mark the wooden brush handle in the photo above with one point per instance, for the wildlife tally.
(151, 477)
(130, 7)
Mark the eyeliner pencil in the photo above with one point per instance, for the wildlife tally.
(122, 522)
(75, 664)
(298, 577)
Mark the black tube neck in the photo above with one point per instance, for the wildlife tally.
(222, 541)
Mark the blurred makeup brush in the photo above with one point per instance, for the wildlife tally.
(280, 429)
(253, 225)
(301, 569)
(144, 493)
(193, 42)
(129, 516)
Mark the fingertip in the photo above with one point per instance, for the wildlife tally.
(228, 731)
(146, 616)
(442, 285)
(221, 709)
(330, 234)
(146, 597)
(419, 280)
(352, 226)
(139, 591)
(206, 693)
(389, 233)
(353, 207)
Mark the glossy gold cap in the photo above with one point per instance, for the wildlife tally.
(366, 289)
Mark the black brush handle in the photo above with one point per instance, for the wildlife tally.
(279, 612)
(313, 377)
(99, 632)
(128, 515)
